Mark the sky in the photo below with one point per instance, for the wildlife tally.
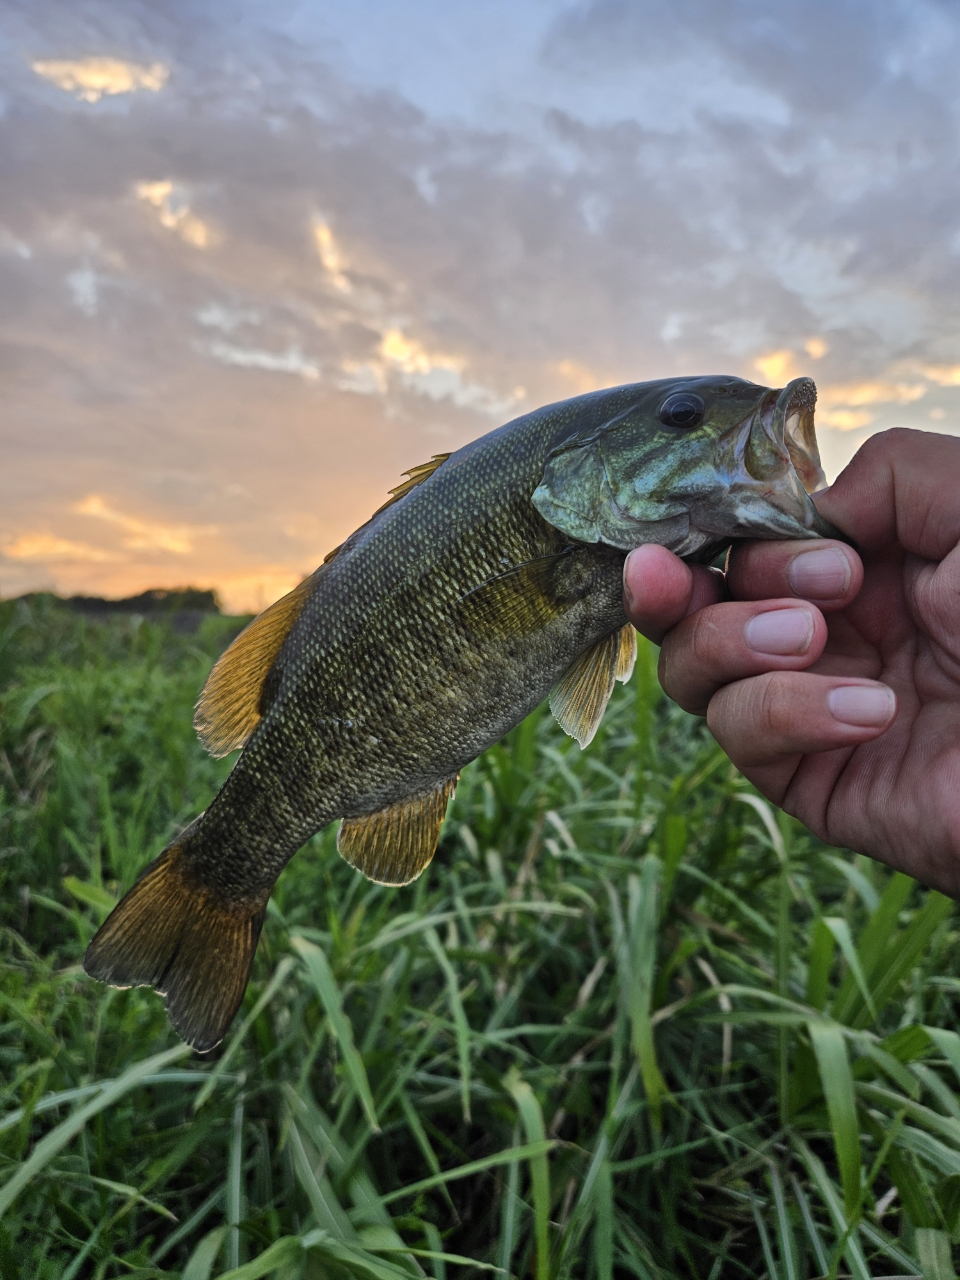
(258, 257)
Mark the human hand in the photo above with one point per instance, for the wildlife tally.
(832, 679)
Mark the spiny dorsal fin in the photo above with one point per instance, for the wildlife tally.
(417, 476)
(183, 938)
(579, 700)
(395, 845)
(228, 709)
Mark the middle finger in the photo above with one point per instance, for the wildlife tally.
(825, 571)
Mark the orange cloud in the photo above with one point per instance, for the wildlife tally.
(90, 79)
(842, 404)
(945, 375)
(174, 212)
(579, 377)
(331, 255)
(144, 535)
(777, 367)
(45, 546)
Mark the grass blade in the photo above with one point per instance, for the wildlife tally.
(280, 1254)
(532, 1118)
(639, 965)
(318, 969)
(200, 1263)
(851, 1248)
(66, 1131)
(837, 1081)
(528, 1152)
(934, 1254)
(459, 1017)
(509, 1211)
(790, 1263)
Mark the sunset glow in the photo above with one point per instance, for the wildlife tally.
(253, 270)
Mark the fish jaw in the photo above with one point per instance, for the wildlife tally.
(747, 473)
(771, 466)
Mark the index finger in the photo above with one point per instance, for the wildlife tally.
(659, 589)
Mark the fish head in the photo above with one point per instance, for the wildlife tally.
(691, 464)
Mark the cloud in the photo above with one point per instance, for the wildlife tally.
(170, 202)
(945, 375)
(331, 255)
(83, 285)
(290, 361)
(47, 547)
(438, 375)
(777, 367)
(841, 406)
(216, 315)
(144, 535)
(89, 79)
(580, 380)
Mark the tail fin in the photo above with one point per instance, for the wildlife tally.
(172, 933)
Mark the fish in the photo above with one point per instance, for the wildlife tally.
(490, 580)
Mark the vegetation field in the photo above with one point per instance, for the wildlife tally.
(630, 1022)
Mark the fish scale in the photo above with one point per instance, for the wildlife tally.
(492, 577)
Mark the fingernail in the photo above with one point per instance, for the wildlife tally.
(864, 705)
(820, 575)
(781, 631)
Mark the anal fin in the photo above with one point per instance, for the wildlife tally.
(395, 845)
(580, 698)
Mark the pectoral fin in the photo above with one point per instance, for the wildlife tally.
(395, 845)
(520, 601)
(626, 654)
(581, 697)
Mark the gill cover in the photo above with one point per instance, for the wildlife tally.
(744, 470)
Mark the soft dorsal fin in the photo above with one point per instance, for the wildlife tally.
(580, 698)
(395, 845)
(228, 709)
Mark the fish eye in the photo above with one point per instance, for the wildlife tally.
(682, 409)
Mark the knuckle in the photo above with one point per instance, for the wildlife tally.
(775, 713)
(703, 633)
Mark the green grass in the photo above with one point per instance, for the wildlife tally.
(630, 1022)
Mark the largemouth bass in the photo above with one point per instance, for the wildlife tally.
(490, 580)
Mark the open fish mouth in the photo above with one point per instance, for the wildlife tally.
(791, 425)
(777, 464)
